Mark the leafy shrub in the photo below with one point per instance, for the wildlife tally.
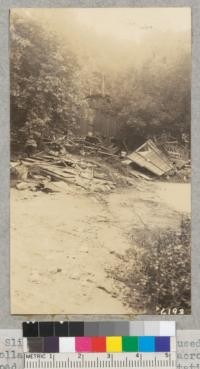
(158, 271)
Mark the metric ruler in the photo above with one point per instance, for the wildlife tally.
(100, 360)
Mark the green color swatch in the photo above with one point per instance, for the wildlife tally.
(129, 344)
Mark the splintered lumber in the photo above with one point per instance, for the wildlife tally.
(51, 170)
(57, 170)
(54, 160)
(29, 160)
(42, 158)
(102, 178)
(99, 151)
(38, 153)
(56, 167)
(108, 154)
(45, 157)
(139, 175)
(173, 153)
(48, 165)
(72, 172)
(55, 175)
(110, 150)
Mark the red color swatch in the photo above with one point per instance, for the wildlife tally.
(98, 344)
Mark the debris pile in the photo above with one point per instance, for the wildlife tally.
(160, 161)
(89, 145)
(46, 172)
(93, 165)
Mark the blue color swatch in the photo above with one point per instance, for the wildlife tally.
(147, 344)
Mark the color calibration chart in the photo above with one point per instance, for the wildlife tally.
(102, 344)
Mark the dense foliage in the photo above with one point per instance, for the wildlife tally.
(44, 83)
(149, 84)
(158, 272)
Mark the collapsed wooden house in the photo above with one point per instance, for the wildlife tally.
(149, 157)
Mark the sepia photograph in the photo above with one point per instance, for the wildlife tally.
(100, 162)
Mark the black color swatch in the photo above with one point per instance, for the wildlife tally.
(76, 329)
(30, 329)
(46, 329)
(61, 329)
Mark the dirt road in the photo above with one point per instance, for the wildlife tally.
(62, 243)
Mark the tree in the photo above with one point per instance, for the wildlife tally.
(148, 83)
(44, 85)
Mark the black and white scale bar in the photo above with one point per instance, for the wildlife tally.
(100, 361)
(99, 328)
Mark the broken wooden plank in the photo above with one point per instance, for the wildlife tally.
(72, 172)
(46, 157)
(56, 176)
(56, 170)
(29, 160)
(105, 178)
(140, 175)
